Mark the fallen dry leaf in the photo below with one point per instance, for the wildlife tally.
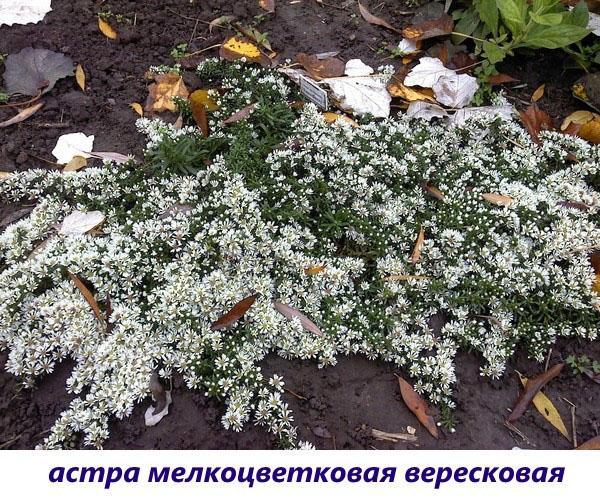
(532, 387)
(501, 78)
(200, 116)
(76, 163)
(290, 313)
(158, 393)
(417, 406)
(80, 77)
(592, 444)
(235, 48)
(371, 19)
(536, 121)
(547, 409)
(330, 67)
(107, 30)
(234, 314)
(330, 117)
(394, 437)
(22, 115)
(78, 223)
(109, 156)
(430, 29)
(416, 253)
(162, 92)
(88, 296)
(586, 125)
(219, 21)
(433, 191)
(242, 114)
(498, 199)
(137, 107)
(202, 96)
(312, 271)
(538, 93)
(267, 5)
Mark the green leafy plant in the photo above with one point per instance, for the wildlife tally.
(3, 97)
(499, 27)
(179, 52)
(583, 365)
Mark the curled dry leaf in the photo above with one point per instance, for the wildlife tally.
(234, 314)
(110, 156)
(547, 409)
(501, 78)
(161, 93)
(430, 28)
(318, 69)
(371, 19)
(88, 296)
(200, 116)
(290, 313)
(242, 114)
(203, 97)
(417, 406)
(532, 387)
(107, 30)
(80, 76)
(267, 5)
(158, 393)
(22, 115)
(416, 253)
(574, 205)
(219, 21)
(536, 121)
(498, 199)
(330, 117)
(70, 145)
(586, 125)
(592, 444)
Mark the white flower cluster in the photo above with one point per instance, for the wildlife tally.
(327, 226)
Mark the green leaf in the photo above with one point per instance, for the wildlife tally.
(488, 12)
(494, 53)
(579, 16)
(554, 37)
(514, 14)
(546, 19)
(466, 25)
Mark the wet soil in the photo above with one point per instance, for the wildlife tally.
(334, 407)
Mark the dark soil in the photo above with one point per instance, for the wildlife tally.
(345, 401)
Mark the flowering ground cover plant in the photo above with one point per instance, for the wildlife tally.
(369, 231)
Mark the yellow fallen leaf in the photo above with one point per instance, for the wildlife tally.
(538, 93)
(577, 118)
(416, 253)
(311, 271)
(201, 96)
(77, 163)
(137, 107)
(4, 175)
(235, 48)
(330, 117)
(596, 285)
(498, 199)
(410, 94)
(161, 93)
(80, 77)
(547, 409)
(107, 30)
(591, 130)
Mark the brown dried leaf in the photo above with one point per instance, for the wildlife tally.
(158, 393)
(430, 29)
(234, 314)
(538, 93)
(219, 21)
(416, 253)
(22, 115)
(318, 69)
(501, 78)
(162, 92)
(371, 19)
(592, 444)
(200, 116)
(535, 121)
(80, 77)
(137, 107)
(531, 389)
(498, 199)
(88, 296)
(107, 30)
(417, 406)
(574, 204)
(312, 271)
(267, 5)
(433, 191)
(290, 313)
(77, 163)
(242, 114)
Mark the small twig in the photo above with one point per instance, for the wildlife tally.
(573, 421)
(512, 428)
(294, 394)
(25, 103)
(393, 437)
(548, 360)
(10, 441)
(52, 125)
